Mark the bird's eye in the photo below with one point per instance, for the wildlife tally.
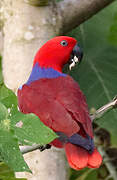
(64, 43)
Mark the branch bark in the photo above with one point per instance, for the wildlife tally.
(49, 164)
(74, 12)
(1, 30)
(26, 28)
(1, 43)
(101, 111)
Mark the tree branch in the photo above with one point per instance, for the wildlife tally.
(72, 13)
(1, 42)
(27, 149)
(1, 30)
(101, 111)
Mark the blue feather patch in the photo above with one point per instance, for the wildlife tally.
(41, 72)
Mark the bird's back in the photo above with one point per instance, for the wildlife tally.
(58, 102)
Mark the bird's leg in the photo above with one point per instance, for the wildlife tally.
(42, 148)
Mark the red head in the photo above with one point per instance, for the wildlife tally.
(56, 52)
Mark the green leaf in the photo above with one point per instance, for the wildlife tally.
(5, 171)
(9, 99)
(10, 152)
(78, 175)
(3, 112)
(92, 175)
(113, 31)
(97, 74)
(29, 129)
(11, 178)
(85, 174)
(38, 2)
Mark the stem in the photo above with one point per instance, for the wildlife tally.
(26, 149)
(101, 111)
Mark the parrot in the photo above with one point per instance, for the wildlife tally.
(55, 97)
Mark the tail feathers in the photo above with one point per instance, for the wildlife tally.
(80, 158)
(94, 159)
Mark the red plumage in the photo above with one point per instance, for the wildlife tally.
(63, 108)
(61, 105)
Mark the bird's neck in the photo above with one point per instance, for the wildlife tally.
(46, 63)
(43, 72)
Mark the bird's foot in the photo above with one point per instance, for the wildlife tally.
(42, 148)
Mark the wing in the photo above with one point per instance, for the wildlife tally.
(58, 102)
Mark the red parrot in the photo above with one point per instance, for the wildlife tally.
(59, 103)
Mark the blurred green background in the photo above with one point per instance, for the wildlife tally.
(97, 77)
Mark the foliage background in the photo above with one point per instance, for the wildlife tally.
(97, 76)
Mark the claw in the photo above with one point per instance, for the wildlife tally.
(42, 148)
(115, 99)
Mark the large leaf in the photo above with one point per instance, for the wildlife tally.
(76, 175)
(38, 2)
(3, 113)
(85, 174)
(30, 130)
(9, 147)
(7, 173)
(113, 30)
(97, 74)
(10, 153)
(91, 176)
(9, 99)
